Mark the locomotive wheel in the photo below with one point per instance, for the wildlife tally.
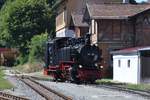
(92, 81)
(55, 79)
(73, 76)
(57, 75)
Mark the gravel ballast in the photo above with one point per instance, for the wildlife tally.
(85, 92)
(22, 89)
(77, 92)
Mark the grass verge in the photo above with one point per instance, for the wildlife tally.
(144, 87)
(108, 82)
(29, 67)
(4, 84)
(34, 69)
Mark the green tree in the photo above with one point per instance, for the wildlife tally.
(51, 2)
(37, 47)
(21, 20)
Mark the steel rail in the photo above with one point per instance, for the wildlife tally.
(6, 96)
(43, 90)
(143, 93)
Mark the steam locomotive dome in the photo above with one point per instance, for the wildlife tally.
(90, 54)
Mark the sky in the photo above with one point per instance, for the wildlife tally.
(140, 0)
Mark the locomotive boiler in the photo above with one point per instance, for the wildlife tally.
(73, 59)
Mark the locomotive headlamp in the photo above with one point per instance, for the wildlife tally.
(101, 66)
(80, 66)
(96, 64)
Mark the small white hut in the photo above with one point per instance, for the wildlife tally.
(132, 65)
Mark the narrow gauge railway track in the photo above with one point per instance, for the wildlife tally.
(47, 93)
(128, 90)
(6, 96)
(143, 93)
(115, 87)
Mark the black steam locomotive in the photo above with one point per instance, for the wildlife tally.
(73, 59)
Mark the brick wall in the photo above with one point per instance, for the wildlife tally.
(143, 30)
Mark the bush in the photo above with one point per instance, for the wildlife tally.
(20, 20)
(30, 67)
(22, 59)
(37, 48)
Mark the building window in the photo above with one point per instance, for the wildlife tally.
(116, 30)
(93, 26)
(119, 63)
(129, 62)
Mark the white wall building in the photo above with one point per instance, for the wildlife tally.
(65, 33)
(131, 65)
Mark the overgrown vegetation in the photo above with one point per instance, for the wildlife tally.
(30, 67)
(138, 86)
(124, 85)
(37, 48)
(26, 24)
(21, 20)
(108, 82)
(35, 60)
(4, 84)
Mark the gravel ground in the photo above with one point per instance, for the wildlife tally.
(83, 92)
(77, 92)
(21, 89)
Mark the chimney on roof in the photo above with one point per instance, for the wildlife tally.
(125, 1)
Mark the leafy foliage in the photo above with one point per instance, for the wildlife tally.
(37, 47)
(51, 2)
(5, 84)
(21, 20)
(22, 59)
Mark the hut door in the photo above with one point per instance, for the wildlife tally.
(145, 64)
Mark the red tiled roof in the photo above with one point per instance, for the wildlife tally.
(103, 1)
(131, 50)
(115, 11)
(9, 50)
(4, 49)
